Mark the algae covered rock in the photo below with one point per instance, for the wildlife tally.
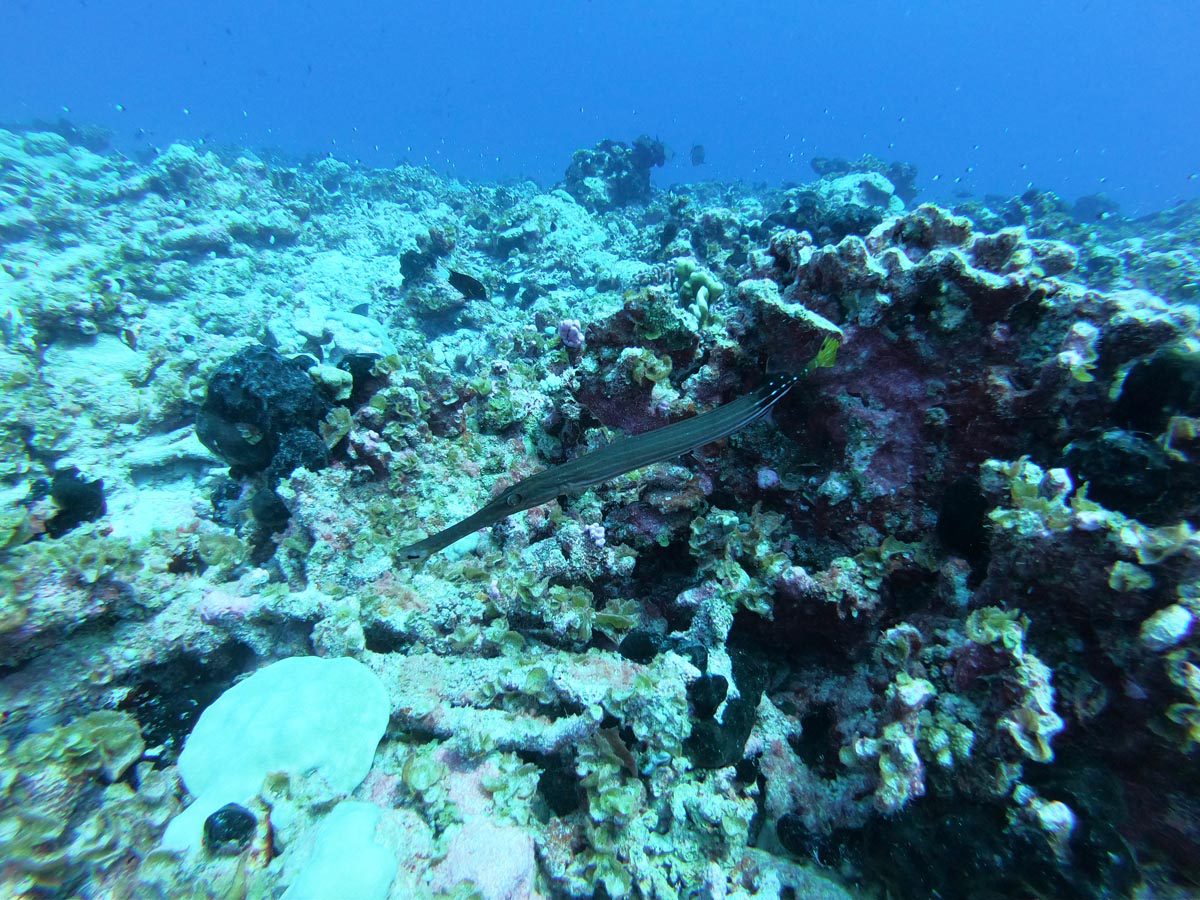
(56, 819)
(614, 173)
(262, 413)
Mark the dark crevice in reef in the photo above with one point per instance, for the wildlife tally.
(714, 744)
(660, 577)
(962, 524)
(169, 697)
(938, 848)
(382, 639)
(802, 632)
(818, 742)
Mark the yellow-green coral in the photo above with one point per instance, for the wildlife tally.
(105, 741)
(1185, 674)
(1039, 499)
(1032, 723)
(698, 290)
(992, 625)
(84, 554)
(45, 781)
(740, 553)
(944, 740)
(1125, 576)
(512, 787)
(568, 611)
(649, 368)
(1043, 501)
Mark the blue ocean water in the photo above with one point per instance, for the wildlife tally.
(1077, 97)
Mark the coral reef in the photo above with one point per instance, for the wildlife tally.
(931, 629)
(614, 174)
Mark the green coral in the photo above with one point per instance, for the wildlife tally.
(615, 798)
(740, 553)
(698, 290)
(44, 788)
(499, 411)
(943, 739)
(1125, 576)
(15, 527)
(1043, 501)
(105, 741)
(335, 426)
(512, 787)
(79, 561)
(658, 319)
(618, 616)
(1037, 504)
(567, 612)
(1031, 722)
(647, 367)
(875, 562)
(1184, 673)
(993, 625)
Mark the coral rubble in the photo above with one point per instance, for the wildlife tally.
(930, 630)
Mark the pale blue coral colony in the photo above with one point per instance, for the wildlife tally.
(887, 641)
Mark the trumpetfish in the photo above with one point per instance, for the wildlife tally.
(622, 456)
